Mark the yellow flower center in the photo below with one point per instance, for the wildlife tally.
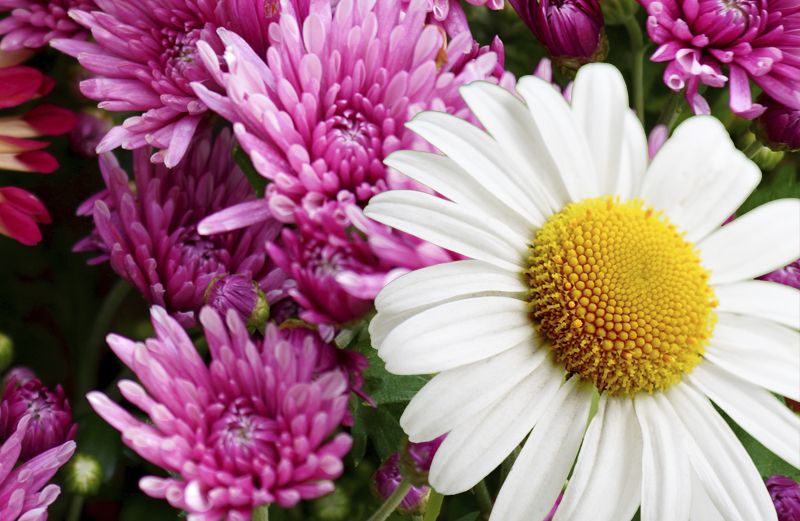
(621, 295)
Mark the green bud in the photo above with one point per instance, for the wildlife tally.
(766, 158)
(84, 475)
(6, 351)
(616, 12)
(260, 315)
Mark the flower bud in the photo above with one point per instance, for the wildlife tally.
(84, 475)
(386, 480)
(6, 351)
(51, 417)
(417, 459)
(616, 12)
(779, 126)
(241, 294)
(785, 493)
(571, 30)
(766, 158)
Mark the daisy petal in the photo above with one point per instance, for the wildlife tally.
(506, 118)
(443, 175)
(758, 411)
(456, 395)
(702, 507)
(633, 161)
(542, 466)
(450, 226)
(472, 450)
(758, 351)
(762, 299)
(455, 334)
(559, 138)
(599, 102)
(606, 482)
(698, 178)
(761, 241)
(665, 468)
(477, 153)
(725, 469)
(442, 282)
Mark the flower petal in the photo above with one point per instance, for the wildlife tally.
(455, 334)
(761, 299)
(606, 482)
(725, 469)
(475, 448)
(542, 466)
(698, 178)
(758, 412)
(665, 468)
(450, 226)
(761, 241)
(455, 395)
(761, 352)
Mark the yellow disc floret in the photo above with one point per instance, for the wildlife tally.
(621, 295)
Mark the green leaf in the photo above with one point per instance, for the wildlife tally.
(781, 183)
(255, 179)
(472, 516)
(386, 388)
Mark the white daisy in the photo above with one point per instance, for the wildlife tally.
(592, 269)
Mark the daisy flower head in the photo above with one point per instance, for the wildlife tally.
(590, 269)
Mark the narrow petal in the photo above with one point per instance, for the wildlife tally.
(758, 411)
(599, 102)
(725, 469)
(633, 161)
(539, 473)
(442, 282)
(607, 480)
(666, 478)
(450, 226)
(455, 395)
(758, 351)
(455, 334)
(762, 299)
(472, 450)
(761, 241)
(698, 178)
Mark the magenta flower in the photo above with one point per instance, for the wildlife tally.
(789, 275)
(149, 231)
(24, 492)
(785, 494)
(50, 415)
(714, 43)
(255, 426)
(144, 57)
(450, 14)
(569, 29)
(319, 114)
(31, 24)
(779, 125)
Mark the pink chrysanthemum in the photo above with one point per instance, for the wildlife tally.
(713, 42)
(31, 24)
(320, 113)
(450, 13)
(24, 492)
(149, 231)
(144, 58)
(255, 426)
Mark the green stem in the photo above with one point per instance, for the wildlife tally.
(75, 508)
(261, 513)
(753, 149)
(484, 499)
(392, 502)
(86, 371)
(637, 51)
(435, 501)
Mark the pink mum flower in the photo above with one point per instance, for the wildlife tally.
(31, 24)
(714, 43)
(450, 13)
(255, 426)
(24, 490)
(149, 233)
(320, 113)
(144, 57)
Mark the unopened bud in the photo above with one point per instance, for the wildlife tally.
(241, 294)
(388, 477)
(417, 459)
(84, 475)
(6, 351)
